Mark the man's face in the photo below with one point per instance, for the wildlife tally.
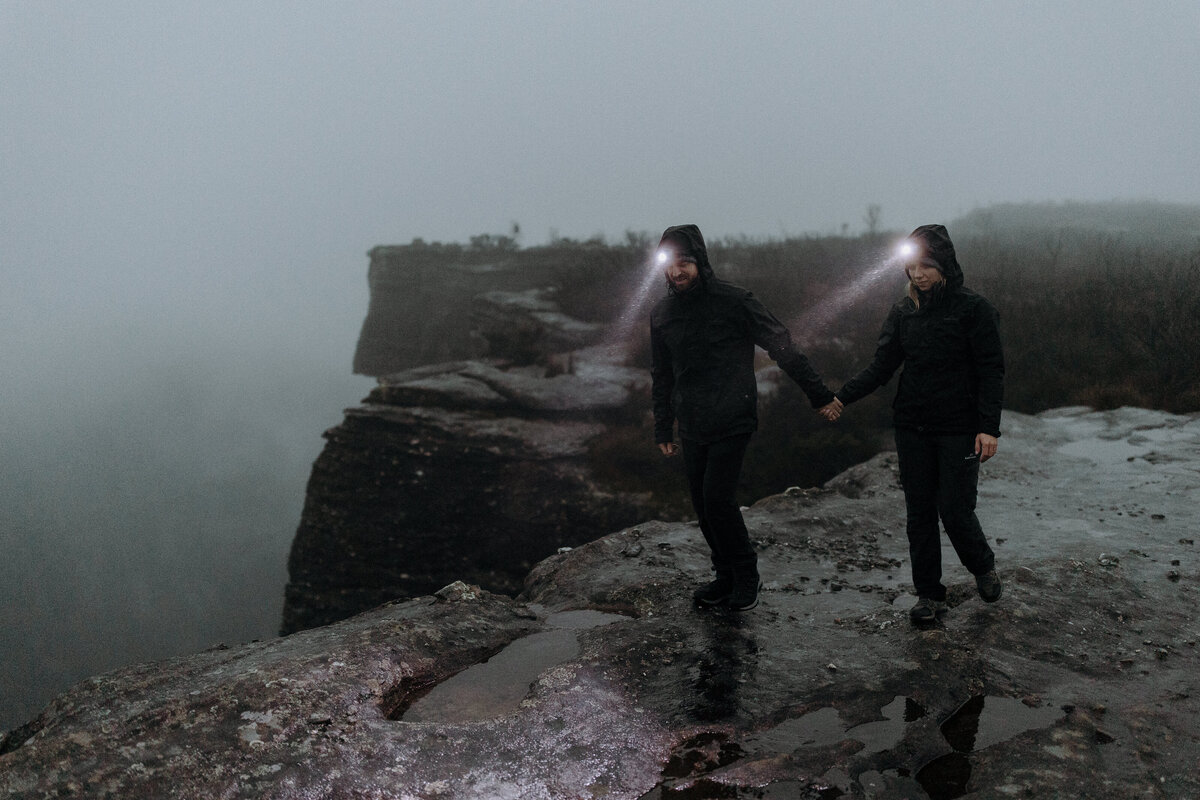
(683, 275)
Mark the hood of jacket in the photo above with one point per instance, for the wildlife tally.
(934, 242)
(688, 239)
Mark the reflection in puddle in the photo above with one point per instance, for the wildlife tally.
(825, 727)
(999, 719)
(945, 777)
(497, 686)
(815, 729)
(582, 618)
(979, 723)
(884, 734)
(702, 753)
(697, 756)
(728, 661)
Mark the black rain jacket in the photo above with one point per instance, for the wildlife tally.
(702, 349)
(953, 378)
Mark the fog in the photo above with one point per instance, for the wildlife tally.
(187, 194)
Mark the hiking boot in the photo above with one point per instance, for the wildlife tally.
(927, 610)
(715, 592)
(989, 586)
(746, 585)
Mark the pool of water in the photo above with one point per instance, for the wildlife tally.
(978, 723)
(497, 686)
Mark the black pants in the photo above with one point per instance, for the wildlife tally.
(940, 476)
(712, 474)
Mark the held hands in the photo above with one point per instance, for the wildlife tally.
(668, 448)
(985, 446)
(831, 411)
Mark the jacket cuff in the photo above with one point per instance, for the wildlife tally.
(820, 400)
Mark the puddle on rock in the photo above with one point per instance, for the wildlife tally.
(700, 754)
(977, 724)
(825, 727)
(582, 619)
(888, 784)
(686, 773)
(945, 777)
(687, 776)
(884, 734)
(815, 729)
(984, 721)
(497, 686)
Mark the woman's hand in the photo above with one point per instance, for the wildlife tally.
(668, 448)
(831, 411)
(985, 446)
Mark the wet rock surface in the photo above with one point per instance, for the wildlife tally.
(1080, 682)
(471, 470)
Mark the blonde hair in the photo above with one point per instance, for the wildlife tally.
(911, 292)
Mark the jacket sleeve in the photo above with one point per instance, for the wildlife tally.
(770, 334)
(662, 375)
(889, 355)
(988, 355)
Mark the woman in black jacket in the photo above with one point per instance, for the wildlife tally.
(946, 412)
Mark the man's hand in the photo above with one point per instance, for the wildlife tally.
(985, 446)
(831, 411)
(668, 448)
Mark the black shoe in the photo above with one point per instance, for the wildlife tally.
(989, 586)
(745, 599)
(715, 592)
(746, 585)
(927, 610)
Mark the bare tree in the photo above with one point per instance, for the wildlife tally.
(873, 218)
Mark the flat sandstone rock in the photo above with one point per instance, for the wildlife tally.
(1082, 681)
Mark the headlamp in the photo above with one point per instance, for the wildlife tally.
(907, 249)
(662, 258)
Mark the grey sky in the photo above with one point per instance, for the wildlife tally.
(202, 165)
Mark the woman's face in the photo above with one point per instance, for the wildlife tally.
(924, 277)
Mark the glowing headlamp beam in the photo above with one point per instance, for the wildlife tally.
(821, 316)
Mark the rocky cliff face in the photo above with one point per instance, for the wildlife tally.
(600, 680)
(421, 296)
(470, 469)
(417, 300)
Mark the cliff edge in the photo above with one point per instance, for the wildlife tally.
(601, 680)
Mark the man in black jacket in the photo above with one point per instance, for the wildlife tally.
(946, 412)
(702, 338)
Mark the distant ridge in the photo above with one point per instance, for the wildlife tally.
(1135, 221)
